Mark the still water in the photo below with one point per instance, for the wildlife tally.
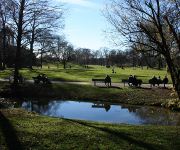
(104, 112)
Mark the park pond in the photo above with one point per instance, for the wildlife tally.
(103, 112)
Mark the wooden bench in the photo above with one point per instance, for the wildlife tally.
(138, 82)
(20, 79)
(39, 79)
(125, 81)
(98, 80)
(153, 82)
(36, 80)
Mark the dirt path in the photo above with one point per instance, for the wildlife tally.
(121, 85)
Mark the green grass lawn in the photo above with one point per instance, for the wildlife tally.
(20, 129)
(78, 73)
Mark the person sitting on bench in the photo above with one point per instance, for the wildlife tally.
(41, 77)
(159, 81)
(130, 80)
(165, 81)
(135, 83)
(108, 80)
(154, 81)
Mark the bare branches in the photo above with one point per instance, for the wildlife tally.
(149, 25)
(134, 17)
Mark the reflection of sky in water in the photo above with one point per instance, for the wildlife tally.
(116, 113)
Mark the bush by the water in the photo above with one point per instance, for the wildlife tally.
(173, 104)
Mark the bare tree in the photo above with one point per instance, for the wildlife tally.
(45, 43)
(152, 24)
(17, 19)
(27, 19)
(42, 15)
(62, 50)
(86, 55)
(105, 52)
(3, 31)
(78, 56)
(4, 15)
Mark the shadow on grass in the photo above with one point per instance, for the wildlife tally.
(140, 87)
(112, 87)
(9, 134)
(119, 135)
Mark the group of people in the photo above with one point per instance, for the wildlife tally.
(132, 81)
(20, 78)
(158, 81)
(43, 78)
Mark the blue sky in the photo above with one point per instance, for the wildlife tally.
(84, 23)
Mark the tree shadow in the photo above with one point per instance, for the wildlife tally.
(120, 135)
(9, 134)
(112, 87)
(140, 87)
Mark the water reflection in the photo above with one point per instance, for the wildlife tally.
(106, 106)
(104, 112)
(158, 116)
(129, 107)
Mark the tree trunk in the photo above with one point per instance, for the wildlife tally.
(19, 38)
(41, 59)
(31, 54)
(159, 62)
(174, 75)
(64, 64)
(32, 43)
(2, 57)
(4, 47)
(1, 62)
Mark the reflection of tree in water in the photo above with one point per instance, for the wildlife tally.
(42, 106)
(154, 115)
(106, 106)
(147, 115)
(52, 108)
(37, 106)
(129, 107)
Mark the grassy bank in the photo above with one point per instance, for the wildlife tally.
(24, 130)
(135, 96)
(78, 73)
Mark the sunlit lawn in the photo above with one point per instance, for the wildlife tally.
(20, 129)
(78, 73)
